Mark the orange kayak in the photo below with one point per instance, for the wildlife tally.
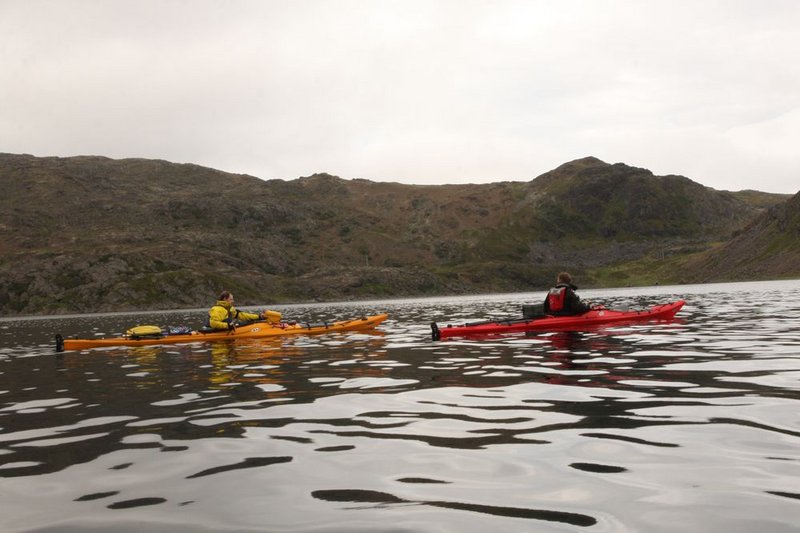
(253, 330)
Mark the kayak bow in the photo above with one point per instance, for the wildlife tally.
(253, 330)
(554, 323)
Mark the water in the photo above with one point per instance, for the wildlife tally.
(692, 425)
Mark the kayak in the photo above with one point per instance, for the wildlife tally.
(253, 330)
(594, 317)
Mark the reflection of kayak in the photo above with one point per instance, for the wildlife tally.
(253, 330)
(555, 323)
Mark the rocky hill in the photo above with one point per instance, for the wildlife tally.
(768, 248)
(91, 234)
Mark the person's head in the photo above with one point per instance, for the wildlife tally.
(564, 277)
(226, 295)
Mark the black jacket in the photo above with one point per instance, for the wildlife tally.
(571, 303)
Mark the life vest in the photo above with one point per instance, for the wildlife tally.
(556, 298)
(228, 318)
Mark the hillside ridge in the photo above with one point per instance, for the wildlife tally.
(93, 234)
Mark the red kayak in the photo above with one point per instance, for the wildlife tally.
(597, 316)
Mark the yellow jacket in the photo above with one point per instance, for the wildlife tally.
(222, 314)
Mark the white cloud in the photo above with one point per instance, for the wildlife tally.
(409, 90)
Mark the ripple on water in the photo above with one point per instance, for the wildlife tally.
(617, 429)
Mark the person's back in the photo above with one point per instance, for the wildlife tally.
(562, 299)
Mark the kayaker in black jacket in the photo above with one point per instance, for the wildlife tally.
(562, 300)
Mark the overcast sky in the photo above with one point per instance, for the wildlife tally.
(415, 91)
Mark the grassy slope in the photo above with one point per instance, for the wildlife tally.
(94, 234)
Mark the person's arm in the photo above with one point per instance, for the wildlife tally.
(575, 303)
(243, 315)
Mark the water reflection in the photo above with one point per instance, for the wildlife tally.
(626, 428)
(382, 499)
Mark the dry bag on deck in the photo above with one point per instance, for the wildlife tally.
(272, 316)
(144, 332)
(533, 310)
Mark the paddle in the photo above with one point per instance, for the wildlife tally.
(265, 317)
(435, 327)
(383, 499)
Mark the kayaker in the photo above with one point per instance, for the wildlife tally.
(224, 316)
(562, 299)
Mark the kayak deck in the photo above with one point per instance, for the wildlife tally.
(253, 330)
(555, 323)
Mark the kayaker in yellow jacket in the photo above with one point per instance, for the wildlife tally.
(224, 316)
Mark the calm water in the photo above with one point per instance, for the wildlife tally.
(692, 425)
